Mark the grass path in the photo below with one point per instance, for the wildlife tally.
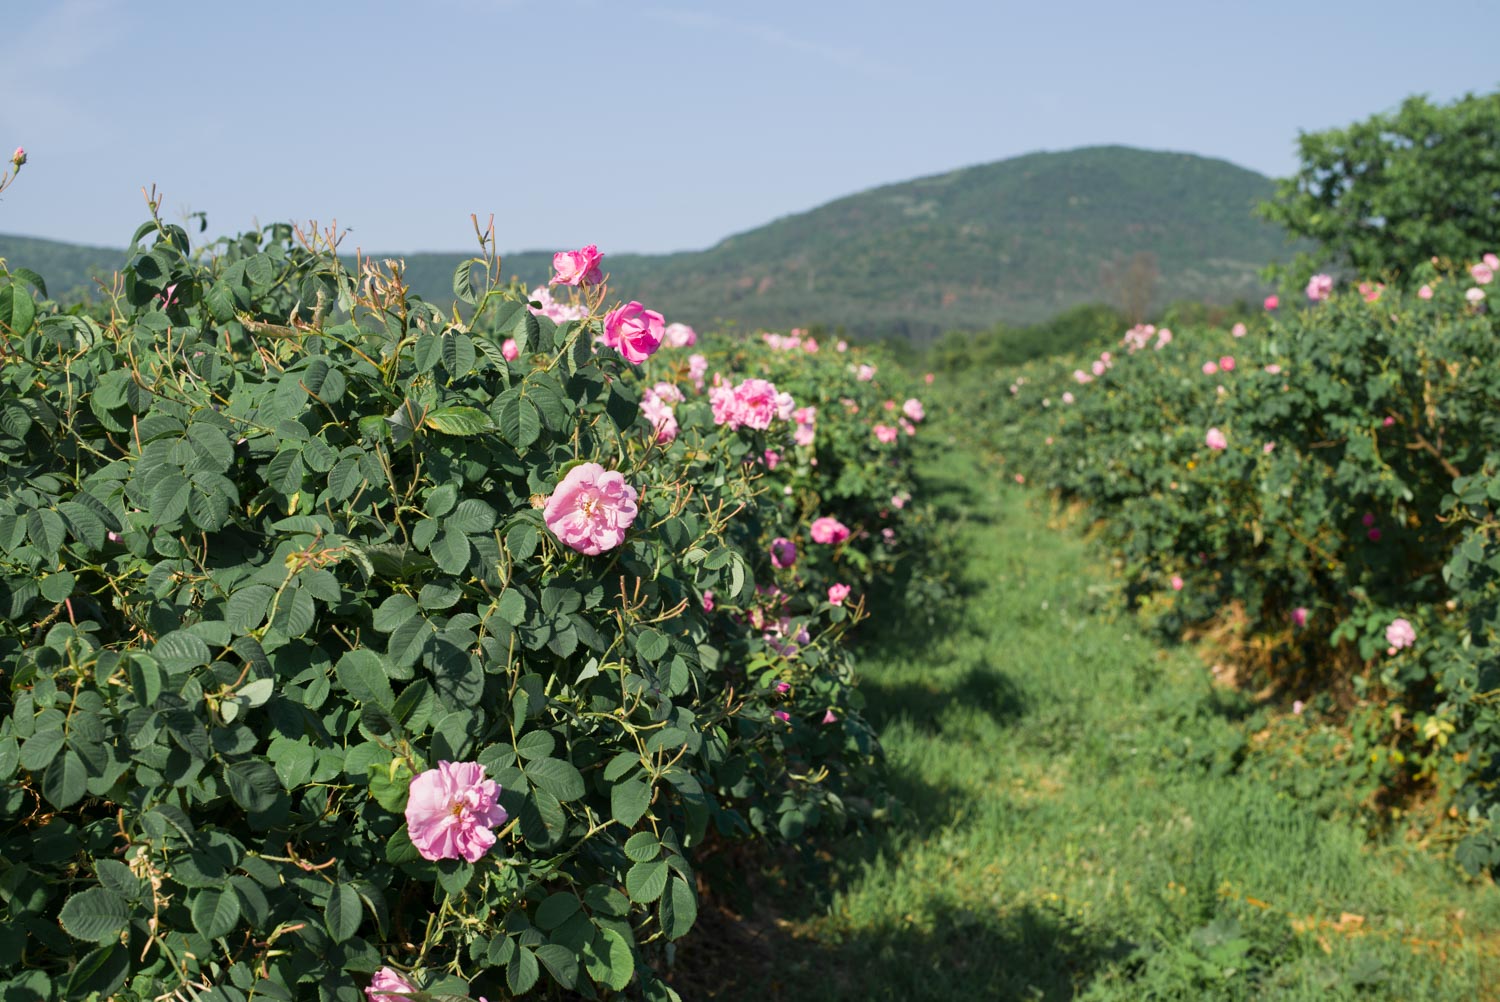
(1074, 827)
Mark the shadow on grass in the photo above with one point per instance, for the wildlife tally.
(981, 688)
(942, 953)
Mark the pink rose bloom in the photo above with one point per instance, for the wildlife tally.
(1227, 363)
(1274, 369)
(509, 350)
(1319, 287)
(591, 509)
(772, 458)
(913, 409)
(927, 378)
(1176, 582)
(1210, 368)
(828, 530)
(633, 331)
(785, 406)
(1400, 634)
(898, 501)
(1475, 295)
(842, 347)
(1425, 292)
(1272, 302)
(1079, 376)
(1238, 330)
(661, 416)
(783, 552)
(1299, 615)
(668, 392)
(805, 415)
(889, 405)
(450, 811)
(1268, 448)
(757, 404)
(1215, 440)
(837, 593)
(1067, 398)
(1368, 518)
(1388, 421)
(888, 534)
(810, 346)
(580, 267)
(1020, 478)
(679, 336)
(885, 433)
(865, 373)
(783, 687)
(1491, 261)
(1371, 291)
(389, 986)
(1163, 338)
(1298, 706)
(1483, 273)
(830, 717)
(708, 601)
(697, 369)
(782, 716)
(804, 434)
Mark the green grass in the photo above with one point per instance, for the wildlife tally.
(1075, 827)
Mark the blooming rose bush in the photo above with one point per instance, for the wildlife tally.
(1336, 503)
(360, 648)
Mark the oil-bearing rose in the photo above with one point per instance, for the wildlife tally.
(591, 509)
(633, 331)
(450, 811)
(579, 267)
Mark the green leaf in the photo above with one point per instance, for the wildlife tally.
(180, 651)
(522, 971)
(343, 912)
(56, 587)
(458, 355)
(253, 784)
(94, 915)
(99, 974)
(169, 499)
(246, 609)
(651, 645)
(363, 673)
(628, 801)
(42, 747)
(608, 959)
(557, 777)
(295, 613)
(644, 882)
(519, 421)
(463, 280)
(642, 847)
(561, 964)
(472, 516)
(679, 918)
(215, 912)
(556, 909)
(451, 551)
(65, 781)
(17, 309)
(459, 420)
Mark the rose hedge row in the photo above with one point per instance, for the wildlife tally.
(272, 544)
(1332, 473)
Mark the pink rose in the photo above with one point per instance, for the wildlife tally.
(1491, 261)
(783, 716)
(772, 458)
(783, 552)
(1400, 634)
(389, 986)
(888, 534)
(1268, 448)
(865, 373)
(18, 158)
(1482, 273)
(708, 601)
(837, 593)
(804, 434)
(783, 687)
(1371, 291)
(591, 509)
(1319, 287)
(913, 410)
(1425, 292)
(830, 717)
(927, 378)
(1272, 302)
(1215, 440)
(1067, 398)
(1210, 368)
(1238, 330)
(663, 419)
(1273, 369)
(1298, 706)
(450, 811)
(679, 336)
(907, 426)
(580, 267)
(1299, 615)
(1176, 582)
(885, 433)
(1475, 295)
(633, 331)
(828, 530)
(509, 350)
(1388, 421)
(697, 368)
(1227, 363)
(668, 392)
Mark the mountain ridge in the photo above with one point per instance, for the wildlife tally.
(1014, 241)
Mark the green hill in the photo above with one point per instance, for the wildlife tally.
(1015, 241)
(68, 269)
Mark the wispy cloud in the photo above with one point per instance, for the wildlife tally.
(838, 55)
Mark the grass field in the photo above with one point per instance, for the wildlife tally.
(1074, 826)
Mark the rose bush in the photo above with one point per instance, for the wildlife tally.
(352, 643)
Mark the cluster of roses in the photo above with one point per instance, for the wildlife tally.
(1141, 335)
(798, 340)
(750, 403)
(912, 414)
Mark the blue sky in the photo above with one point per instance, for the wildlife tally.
(657, 126)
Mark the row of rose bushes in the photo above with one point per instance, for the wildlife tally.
(1330, 472)
(354, 645)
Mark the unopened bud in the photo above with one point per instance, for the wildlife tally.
(19, 157)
